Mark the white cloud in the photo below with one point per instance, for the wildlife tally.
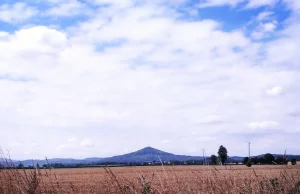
(269, 27)
(293, 4)
(213, 119)
(266, 15)
(259, 3)
(63, 147)
(263, 29)
(211, 3)
(4, 34)
(72, 139)
(297, 126)
(73, 144)
(263, 125)
(119, 3)
(17, 12)
(87, 143)
(257, 35)
(67, 9)
(130, 3)
(165, 141)
(274, 91)
(15, 144)
(250, 4)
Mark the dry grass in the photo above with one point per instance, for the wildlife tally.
(159, 180)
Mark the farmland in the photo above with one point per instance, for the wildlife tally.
(166, 179)
(176, 179)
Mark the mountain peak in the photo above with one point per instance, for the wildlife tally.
(150, 150)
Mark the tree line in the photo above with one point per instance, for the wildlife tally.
(265, 159)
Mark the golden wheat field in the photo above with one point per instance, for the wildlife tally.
(90, 175)
(158, 179)
(179, 178)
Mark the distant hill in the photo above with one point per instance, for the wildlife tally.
(236, 158)
(65, 161)
(149, 154)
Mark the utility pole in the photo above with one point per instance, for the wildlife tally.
(203, 157)
(206, 163)
(249, 149)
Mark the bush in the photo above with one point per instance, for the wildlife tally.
(269, 158)
(254, 160)
(249, 164)
(294, 161)
(20, 166)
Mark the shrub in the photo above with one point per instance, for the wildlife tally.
(294, 161)
(249, 164)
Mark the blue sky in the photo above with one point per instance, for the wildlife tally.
(99, 78)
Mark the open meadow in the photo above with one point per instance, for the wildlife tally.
(155, 179)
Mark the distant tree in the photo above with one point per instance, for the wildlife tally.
(261, 160)
(1, 166)
(20, 166)
(281, 160)
(269, 158)
(57, 165)
(249, 163)
(245, 160)
(254, 160)
(293, 161)
(222, 153)
(213, 159)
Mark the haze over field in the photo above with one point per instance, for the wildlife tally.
(97, 78)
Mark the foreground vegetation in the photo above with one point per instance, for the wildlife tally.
(150, 180)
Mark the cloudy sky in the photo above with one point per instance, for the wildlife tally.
(95, 78)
